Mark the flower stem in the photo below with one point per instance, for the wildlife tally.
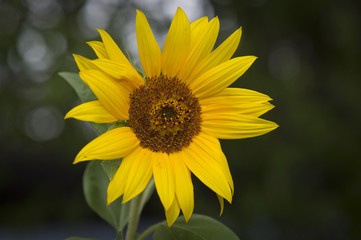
(148, 231)
(119, 236)
(134, 214)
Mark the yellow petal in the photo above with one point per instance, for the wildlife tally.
(235, 126)
(91, 111)
(177, 43)
(149, 51)
(212, 146)
(163, 172)
(233, 101)
(116, 143)
(221, 203)
(138, 175)
(183, 185)
(113, 97)
(221, 54)
(117, 184)
(120, 72)
(172, 213)
(199, 22)
(83, 63)
(203, 37)
(98, 48)
(112, 49)
(225, 107)
(203, 164)
(239, 95)
(218, 78)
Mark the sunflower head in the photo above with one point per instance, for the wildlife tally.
(175, 114)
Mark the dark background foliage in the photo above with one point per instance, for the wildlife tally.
(301, 181)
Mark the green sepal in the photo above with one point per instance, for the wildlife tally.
(199, 227)
(110, 167)
(95, 184)
(79, 86)
(105, 127)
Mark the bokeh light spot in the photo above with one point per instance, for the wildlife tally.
(284, 62)
(44, 123)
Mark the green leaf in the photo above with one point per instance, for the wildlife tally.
(81, 89)
(199, 227)
(78, 238)
(95, 184)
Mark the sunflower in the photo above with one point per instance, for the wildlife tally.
(174, 114)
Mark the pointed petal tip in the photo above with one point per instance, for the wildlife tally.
(111, 197)
(139, 12)
(270, 127)
(78, 159)
(110, 201)
(68, 114)
(126, 199)
(252, 58)
(270, 106)
(169, 223)
(129, 196)
(221, 203)
(180, 9)
(249, 60)
(75, 161)
(100, 30)
(82, 157)
(166, 206)
(171, 220)
(238, 32)
(76, 57)
(221, 211)
(102, 33)
(187, 216)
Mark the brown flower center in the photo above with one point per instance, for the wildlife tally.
(164, 114)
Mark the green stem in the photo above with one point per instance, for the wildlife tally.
(134, 214)
(119, 236)
(148, 231)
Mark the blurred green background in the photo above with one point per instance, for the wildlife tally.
(301, 181)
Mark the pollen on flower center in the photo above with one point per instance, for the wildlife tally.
(164, 114)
